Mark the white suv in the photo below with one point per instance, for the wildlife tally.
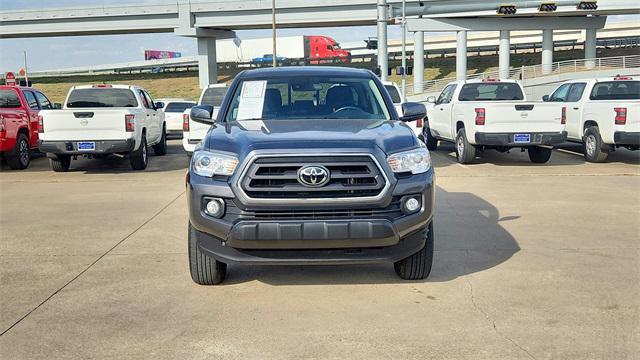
(194, 132)
(173, 110)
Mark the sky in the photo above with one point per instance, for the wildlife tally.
(70, 51)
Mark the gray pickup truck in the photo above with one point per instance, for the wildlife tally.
(309, 165)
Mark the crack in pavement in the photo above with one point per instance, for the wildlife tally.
(93, 263)
(493, 322)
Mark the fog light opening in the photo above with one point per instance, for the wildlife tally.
(412, 204)
(214, 207)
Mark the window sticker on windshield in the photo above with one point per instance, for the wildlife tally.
(251, 100)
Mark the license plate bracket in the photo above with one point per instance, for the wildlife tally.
(86, 146)
(522, 138)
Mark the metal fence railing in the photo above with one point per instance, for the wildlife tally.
(534, 71)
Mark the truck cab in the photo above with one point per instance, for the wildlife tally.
(19, 110)
(603, 114)
(309, 165)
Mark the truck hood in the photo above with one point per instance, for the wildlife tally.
(242, 137)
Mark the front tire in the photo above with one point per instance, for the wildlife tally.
(418, 266)
(160, 148)
(465, 152)
(139, 159)
(430, 140)
(594, 150)
(204, 269)
(21, 155)
(539, 155)
(60, 163)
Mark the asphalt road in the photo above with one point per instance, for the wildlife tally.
(531, 262)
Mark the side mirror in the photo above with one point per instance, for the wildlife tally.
(57, 106)
(545, 98)
(412, 111)
(202, 114)
(159, 105)
(431, 99)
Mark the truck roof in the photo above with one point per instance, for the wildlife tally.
(475, 81)
(305, 71)
(104, 86)
(611, 78)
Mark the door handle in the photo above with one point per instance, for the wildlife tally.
(575, 108)
(441, 109)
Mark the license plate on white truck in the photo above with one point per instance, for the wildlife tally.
(522, 138)
(86, 146)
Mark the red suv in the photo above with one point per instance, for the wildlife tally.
(19, 108)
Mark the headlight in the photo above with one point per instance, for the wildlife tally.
(415, 161)
(206, 163)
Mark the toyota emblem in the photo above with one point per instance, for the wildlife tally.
(313, 175)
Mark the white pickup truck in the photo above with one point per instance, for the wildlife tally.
(193, 132)
(492, 114)
(603, 114)
(173, 110)
(98, 120)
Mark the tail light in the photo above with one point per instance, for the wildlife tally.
(2, 127)
(40, 124)
(480, 116)
(563, 119)
(419, 123)
(185, 122)
(621, 116)
(129, 122)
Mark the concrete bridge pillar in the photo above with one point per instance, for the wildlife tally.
(504, 54)
(207, 64)
(418, 62)
(590, 41)
(547, 51)
(461, 55)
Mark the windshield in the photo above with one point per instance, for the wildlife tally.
(393, 93)
(495, 91)
(308, 98)
(178, 107)
(616, 90)
(101, 97)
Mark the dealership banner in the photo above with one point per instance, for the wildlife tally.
(159, 54)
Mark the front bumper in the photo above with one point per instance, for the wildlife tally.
(102, 147)
(626, 138)
(310, 240)
(507, 139)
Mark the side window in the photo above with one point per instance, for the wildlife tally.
(575, 93)
(560, 94)
(31, 100)
(145, 101)
(45, 104)
(149, 100)
(444, 94)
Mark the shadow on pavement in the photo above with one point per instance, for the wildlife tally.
(469, 239)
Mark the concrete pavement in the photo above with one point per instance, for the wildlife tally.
(532, 262)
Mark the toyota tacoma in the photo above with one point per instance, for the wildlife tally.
(309, 165)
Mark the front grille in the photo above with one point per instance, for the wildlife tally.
(391, 212)
(277, 177)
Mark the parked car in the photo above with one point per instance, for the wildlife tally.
(492, 114)
(173, 110)
(19, 109)
(289, 174)
(394, 92)
(194, 132)
(603, 114)
(99, 120)
(267, 59)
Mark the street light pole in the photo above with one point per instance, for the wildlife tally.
(273, 28)
(404, 52)
(26, 70)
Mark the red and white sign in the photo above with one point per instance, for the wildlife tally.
(10, 79)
